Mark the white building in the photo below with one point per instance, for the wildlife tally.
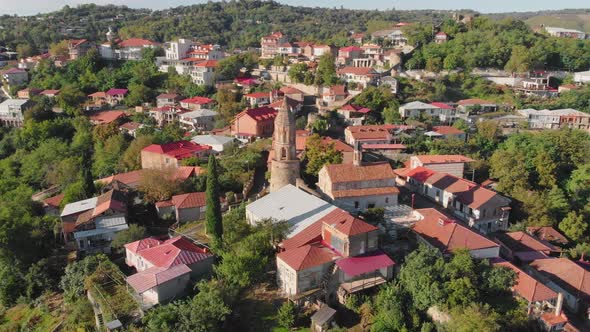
(12, 112)
(582, 77)
(203, 72)
(217, 143)
(199, 120)
(565, 33)
(98, 240)
(415, 108)
(15, 76)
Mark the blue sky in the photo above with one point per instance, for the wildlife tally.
(27, 7)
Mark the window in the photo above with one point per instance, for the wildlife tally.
(370, 205)
(489, 227)
(386, 200)
(483, 213)
(356, 204)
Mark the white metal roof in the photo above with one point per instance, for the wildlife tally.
(110, 221)
(79, 206)
(212, 139)
(198, 114)
(290, 204)
(418, 105)
(14, 102)
(100, 231)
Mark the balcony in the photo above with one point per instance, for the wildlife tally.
(361, 284)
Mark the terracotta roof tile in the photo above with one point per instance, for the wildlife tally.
(521, 241)
(178, 150)
(190, 200)
(346, 223)
(571, 275)
(527, 286)
(307, 256)
(198, 100)
(139, 245)
(447, 130)
(351, 173)
(258, 95)
(365, 192)
(443, 159)
(136, 42)
(172, 252)
(155, 276)
(106, 117)
(54, 201)
(548, 233)
(259, 114)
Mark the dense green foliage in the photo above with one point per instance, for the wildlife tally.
(213, 213)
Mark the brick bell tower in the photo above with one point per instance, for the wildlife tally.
(285, 165)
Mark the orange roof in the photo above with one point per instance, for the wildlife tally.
(311, 234)
(551, 319)
(366, 71)
(351, 173)
(127, 178)
(345, 223)
(374, 132)
(447, 130)
(447, 234)
(259, 114)
(54, 201)
(190, 200)
(443, 159)
(99, 94)
(307, 256)
(573, 276)
(258, 95)
(336, 90)
(301, 142)
(106, 117)
(290, 90)
(526, 286)
(207, 63)
(521, 241)
(136, 42)
(548, 233)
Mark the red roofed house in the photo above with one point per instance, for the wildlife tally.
(270, 44)
(98, 98)
(481, 208)
(529, 288)
(167, 99)
(167, 114)
(441, 37)
(522, 247)
(372, 134)
(254, 122)
(449, 131)
(338, 254)
(51, 205)
(132, 179)
(49, 93)
(165, 267)
(15, 76)
(28, 93)
(197, 103)
(115, 96)
(163, 156)
(130, 128)
(79, 47)
(203, 72)
(258, 98)
(334, 94)
(129, 49)
(358, 187)
(347, 54)
(363, 76)
(452, 164)
(571, 278)
(353, 115)
(185, 207)
(442, 232)
(106, 117)
(549, 234)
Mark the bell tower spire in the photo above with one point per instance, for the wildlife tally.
(285, 165)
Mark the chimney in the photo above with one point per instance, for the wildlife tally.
(357, 158)
(559, 304)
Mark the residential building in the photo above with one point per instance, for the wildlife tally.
(270, 44)
(167, 114)
(106, 117)
(129, 49)
(474, 106)
(391, 81)
(582, 77)
(395, 36)
(565, 33)
(258, 98)
(165, 267)
(571, 278)
(130, 128)
(217, 143)
(115, 96)
(441, 37)
(363, 76)
(132, 179)
(83, 216)
(358, 187)
(334, 94)
(445, 132)
(555, 119)
(369, 134)
(290, 204)
(52, 204)
(338, 255)
(78, 48)
(353, 115)
(12, 112)
(415, 109)
(170, 155)
(15, 77)
(548, 234)
(529, 288)
(537, 84)
(49, 93)
(481, 208)
(28, 93)
(203, 72)
(167, 99)
(98, 98)
(185, 207)
(291, 93)
(254, 122)
(347, 54)
(197, 103)
(199, 120)
(446, 112)
(453, 164)
(522, 247)
(437, 230)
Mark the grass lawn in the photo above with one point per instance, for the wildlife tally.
(194, 229)
(44, 317)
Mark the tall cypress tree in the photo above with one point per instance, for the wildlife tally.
(214, 225)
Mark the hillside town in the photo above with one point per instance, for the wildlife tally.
(379, 180)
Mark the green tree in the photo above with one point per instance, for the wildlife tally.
(286, 315)
(573, 226)
(475, 317)
(519, 61)
(206, 311)
(420, 277)
(131, 159)
(319, 153)
(297, 72)
(70, 98)
(213, 216)
(133, 233)
(578, 185)
(326, 71)
(13, 283)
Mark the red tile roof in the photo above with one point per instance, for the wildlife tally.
(447, 130)
(49, 92)
(362, 71)
(172, 252)
(54, 201)
(98, 94)
(197, 100)
(442, 105)
(178, 150)
(521, 241)
(77, 42)
(527, 286)
(258, 95)
(311, 234)
(259, 114)
(421, 174)
(207, 63)
(346, 223)
(448, 235)
(190, 200)
(130, 125)
(355, 108)
(114, 92)
(290, 90)
(351, 173)
(548, 233)
(155, 276)
(365, 192)
(136, 42)
(307, 256)
(106, 117)
(362, 264)
(443, 159)
(374, 132)
(350, 49)
(383, 147)
(573, 276)
(336, 90)
(142, 244)
(167, 96)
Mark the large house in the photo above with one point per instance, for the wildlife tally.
(132, 179)
(12, 112)
(197, 103)
(185, 207)
(358, 187)
(415, 109)
(481, 208)
(442, 232)
(555, 119)
(372, 134)
(129, 49)
(337, 255)
(353, 115)
(565, 33)
(270, 44)
(170, 155)
(522, 247)
(217, 143)
(254, 122)
(203, 72)
(92, 222)
(165, 267)
(453, 164)
(167, 114)
(257, 98)
(363, 76)
(78, 48)
(334, 94)
(199, 120)
(15, 77)
(167, 99)
(347, 54)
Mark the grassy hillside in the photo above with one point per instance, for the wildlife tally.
(571, 21)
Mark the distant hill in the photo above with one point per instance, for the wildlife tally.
(578, 19)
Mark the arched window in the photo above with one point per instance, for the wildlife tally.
(284, 153)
